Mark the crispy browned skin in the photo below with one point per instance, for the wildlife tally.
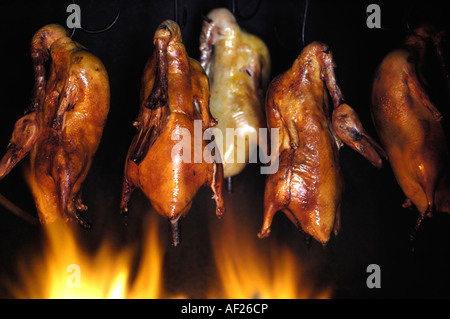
(172, 85)
(63, 128)
(409, 124)
(238, 66)
(308, 184)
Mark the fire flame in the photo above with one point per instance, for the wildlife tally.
(250, 269)
(65, 271)
(245, 270)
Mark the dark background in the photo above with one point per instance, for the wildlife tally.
(375, 227)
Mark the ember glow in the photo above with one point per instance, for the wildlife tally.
(65, 271)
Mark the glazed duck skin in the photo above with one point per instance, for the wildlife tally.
(62, 130)
(409, 125)
(238, 66)
(308, 184)
(173, 86)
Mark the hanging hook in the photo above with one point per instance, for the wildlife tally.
(181, 23)
(73, 32)
(104, 29)
(96, 31)
(301, 38)
(236, 13)
(304, 22)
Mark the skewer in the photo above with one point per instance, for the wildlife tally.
(17, 211)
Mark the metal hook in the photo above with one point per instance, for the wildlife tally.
(300, 38)
(73, 32)
(104, 29)
(181, 24)
(236, 13)
(96, 31)
(304, 21)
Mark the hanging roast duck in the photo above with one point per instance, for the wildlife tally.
(308, 184)
(63, 128)
(238, 66)
(409, 124)
(174, 94)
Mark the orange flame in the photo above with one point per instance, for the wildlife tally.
(253, 268)
(246, 268)
(65, 271)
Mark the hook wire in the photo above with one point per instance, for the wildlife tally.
(73, 32)
(96, 31)
(104, 29)
(182, 23)
(301, 38)
(304, 22)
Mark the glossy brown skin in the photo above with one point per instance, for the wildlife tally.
(238, 66)
(172, 85)
(409, 125)
(62, 130)
(308, 184)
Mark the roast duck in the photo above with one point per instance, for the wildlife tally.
(174, 97)
(409, 123)
(238, 66)
(309, 184)
(62, 129)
